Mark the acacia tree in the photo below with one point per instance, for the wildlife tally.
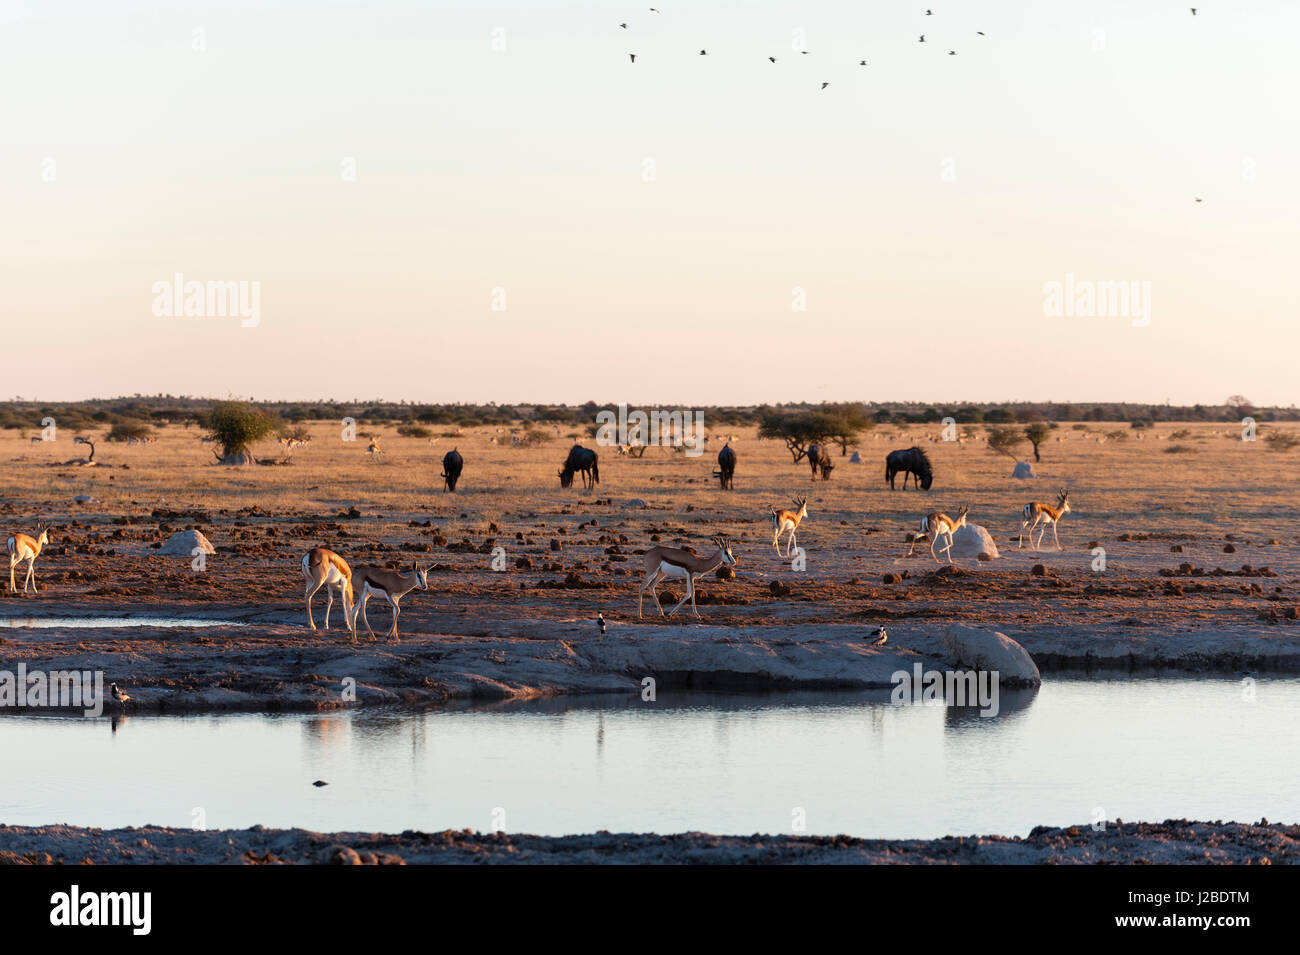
(846, 421)
(1003, 440)
(1037, 432)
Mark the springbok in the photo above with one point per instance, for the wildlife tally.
(1036, 511)
(373, 449)
(323, 568)
(24, 548)
(783, 521)
(935, 525)
(662, 563)
(389, 584)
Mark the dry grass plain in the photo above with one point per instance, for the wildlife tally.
(1226, 503)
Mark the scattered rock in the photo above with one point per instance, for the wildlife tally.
(987, 650)
(972, 540)
(184, 543)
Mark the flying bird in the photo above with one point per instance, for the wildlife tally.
(952, 52)
(319, 783)
(880, 636)
(922, 37)
(633, 55)
(979, 32)
(772, 58)
(623, 25)
(1193, 11)
(929, 13)
(804, 52)
(124, 698)
(600, 621)
(862, 63)
(824, 85)
(654, 10)
(1199, 199)
(704, 53)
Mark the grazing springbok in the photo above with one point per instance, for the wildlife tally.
(1036, 512)
(392, 585)
(373, 449)
(783, 521)
(935, 525)
(323, 568)
(24, 548)
(664, 563)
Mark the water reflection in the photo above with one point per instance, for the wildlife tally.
(853, 762)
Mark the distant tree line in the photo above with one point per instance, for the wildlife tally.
(834, 423)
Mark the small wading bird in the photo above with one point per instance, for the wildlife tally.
(935, 525)
(389, 584)
(881, 637)
(24, 548)
(673, 563)
(600, 622)
(783, 521)
(1036, 511)
(118, 695)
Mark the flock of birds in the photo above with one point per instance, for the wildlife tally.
(928, 13)
(921, 39)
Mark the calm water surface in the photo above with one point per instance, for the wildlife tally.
(1134, 748)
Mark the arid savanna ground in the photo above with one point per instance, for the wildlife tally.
(1197, 526)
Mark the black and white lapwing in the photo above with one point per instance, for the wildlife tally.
(881, 636)
(600, 622)
(118, 695)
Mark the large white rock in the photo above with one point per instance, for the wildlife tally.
(1024, 471)
(986, 650)
(183, 543)
(971, 540)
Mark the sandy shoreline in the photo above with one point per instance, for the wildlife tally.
(1169, 842)
(259, 666)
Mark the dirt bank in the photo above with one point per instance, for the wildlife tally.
(1173, 841)
(283, 667)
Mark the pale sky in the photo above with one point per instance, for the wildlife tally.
(921, 202)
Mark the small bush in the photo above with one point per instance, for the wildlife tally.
(414, 431)
(1179, 449)
(1282, 440)
(124, 430)
(234, 425)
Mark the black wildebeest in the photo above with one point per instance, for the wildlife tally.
(819, 459)
(910, 461)
(726, 467)
(452, 463)
(584, 460)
